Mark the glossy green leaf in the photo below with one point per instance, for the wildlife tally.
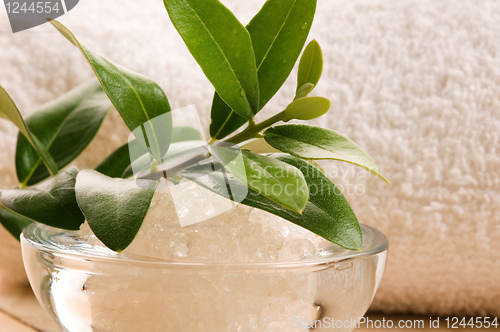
(182, 134)
(180, 147)
(309, 142)
(141, 102)
(137, 162)
(304, 91)
(117, 162)
(327, 214)
(52, 202)
(259, 146)
(307, 108)
(270, 177)
(9, 111)
(222, 47)
(177, 150)
(13, 222)
(278, 33)
(311, 65)
(114, 208)
(224, 121)
(316, 164)
(65, 127)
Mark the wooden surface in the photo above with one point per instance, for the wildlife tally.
(21, 312)
(7, 323)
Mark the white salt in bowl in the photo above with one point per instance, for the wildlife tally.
(87, 287)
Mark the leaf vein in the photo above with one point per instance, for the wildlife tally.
(220, 49)
(277, 35)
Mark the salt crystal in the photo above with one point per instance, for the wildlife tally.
(214, 300)
(240, 234)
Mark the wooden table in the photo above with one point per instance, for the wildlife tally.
(21, 312)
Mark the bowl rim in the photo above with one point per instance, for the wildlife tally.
(31, 236)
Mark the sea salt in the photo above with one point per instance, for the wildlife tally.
(240, 235)
(127, 298)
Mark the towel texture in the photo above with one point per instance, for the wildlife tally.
(416, 83)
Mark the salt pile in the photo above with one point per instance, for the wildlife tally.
(239, 235)
(165, 297)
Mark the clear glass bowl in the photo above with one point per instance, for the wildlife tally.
(86, 288)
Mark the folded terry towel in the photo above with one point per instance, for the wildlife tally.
(414, 82)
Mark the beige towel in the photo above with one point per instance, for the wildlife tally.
(414, 82)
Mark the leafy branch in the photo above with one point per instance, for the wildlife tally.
(247, 66)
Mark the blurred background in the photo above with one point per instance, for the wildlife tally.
(416, 83)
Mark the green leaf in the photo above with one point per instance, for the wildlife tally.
(9, 111)
(142, 162)
(117, 162)
(222, 47)
(304, 91)
(65, 127)
(307, 108)
(114, 208)
(327, 214)
(224, 121)
(13, 222)
(259, 146)
(310, 142)
(270, 177)
(311, 65)
(278, 33)
(137, 162)
(52, 202)
(141, 102)
(181, 134)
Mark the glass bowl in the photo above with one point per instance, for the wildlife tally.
(86, 288)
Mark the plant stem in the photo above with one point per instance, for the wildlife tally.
(174, 167)
(253, 129)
